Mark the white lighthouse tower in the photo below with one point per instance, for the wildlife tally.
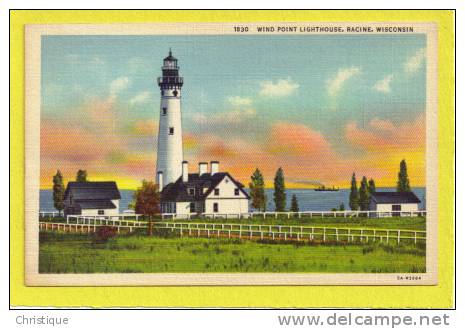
(170, 155)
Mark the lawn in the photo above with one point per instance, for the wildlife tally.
(74, 253)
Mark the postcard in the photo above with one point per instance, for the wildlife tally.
(231, 154)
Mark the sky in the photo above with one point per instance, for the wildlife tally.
(319, 106)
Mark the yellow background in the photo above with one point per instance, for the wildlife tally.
(440, 296)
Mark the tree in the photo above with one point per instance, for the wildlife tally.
(81, 176)
(371, 186)
(147, 201)
(364, 194)
(257, 190)
(294, 204)
(342, 207)
(403, 183)
(58, 192)
(354, 196)
(279, 191)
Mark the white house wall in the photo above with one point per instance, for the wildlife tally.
(387, 207)
(228, 202)
(227, 206)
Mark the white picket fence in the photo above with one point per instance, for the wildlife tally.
(294, 232)
(300, 214)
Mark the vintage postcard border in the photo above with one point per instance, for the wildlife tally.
(220, 278)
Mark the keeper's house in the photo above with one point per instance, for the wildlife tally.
(394, 203)
(92, 198)
(204, 192)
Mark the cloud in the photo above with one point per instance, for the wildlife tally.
(297, 139)
(280, 88)
(239, 101)
(144, 128)
(384, 85)
(224, 118)
(335, 84)
(380, 136)
(415, 62)
(140, 98)
(119, 85)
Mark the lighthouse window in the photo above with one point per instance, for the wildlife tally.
(171, 130)
(191, 191)
(236, 191)
(164, 111)
(215, 207)
(217, 191)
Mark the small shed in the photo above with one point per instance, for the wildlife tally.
(394, 203)
(92, 198)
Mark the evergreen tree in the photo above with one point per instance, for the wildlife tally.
(81, 176)
(371, 186)
(257, 191)
(294, 204)
(354, 197)
(58, 192)
(403, 183)
(279, 191)
(364, 194)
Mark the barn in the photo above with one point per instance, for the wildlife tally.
(92, 198)
(394, 203)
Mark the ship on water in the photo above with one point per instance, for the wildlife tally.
(326, 189)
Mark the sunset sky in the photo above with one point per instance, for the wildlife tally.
(321, 107)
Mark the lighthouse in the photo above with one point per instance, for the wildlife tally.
(170, 154)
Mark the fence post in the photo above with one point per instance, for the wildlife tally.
(324, 234)
(415, 238)
(337, 236)
(398, 237)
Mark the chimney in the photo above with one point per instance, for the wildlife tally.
(203, 168)
(160, 180)
(214, 167)
(185, 171)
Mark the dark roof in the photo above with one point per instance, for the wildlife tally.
(93, 190)
(95, 204)
(170, 57)
(177, 191)
(394, 197)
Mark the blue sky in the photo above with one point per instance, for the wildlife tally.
(322, 82)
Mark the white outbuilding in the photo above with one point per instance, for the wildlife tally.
(92, 198)
(394, 203)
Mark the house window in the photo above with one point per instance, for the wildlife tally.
(396, 207)
(217, 191)
(236, 191)
(192, 207)
(191, 191)
(101, 212)
(215, 207)
(171, 130)
(163, 110)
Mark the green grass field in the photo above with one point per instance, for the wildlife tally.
(74, 253)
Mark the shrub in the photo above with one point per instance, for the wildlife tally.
(104, 233)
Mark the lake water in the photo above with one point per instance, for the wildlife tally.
(309, 200)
